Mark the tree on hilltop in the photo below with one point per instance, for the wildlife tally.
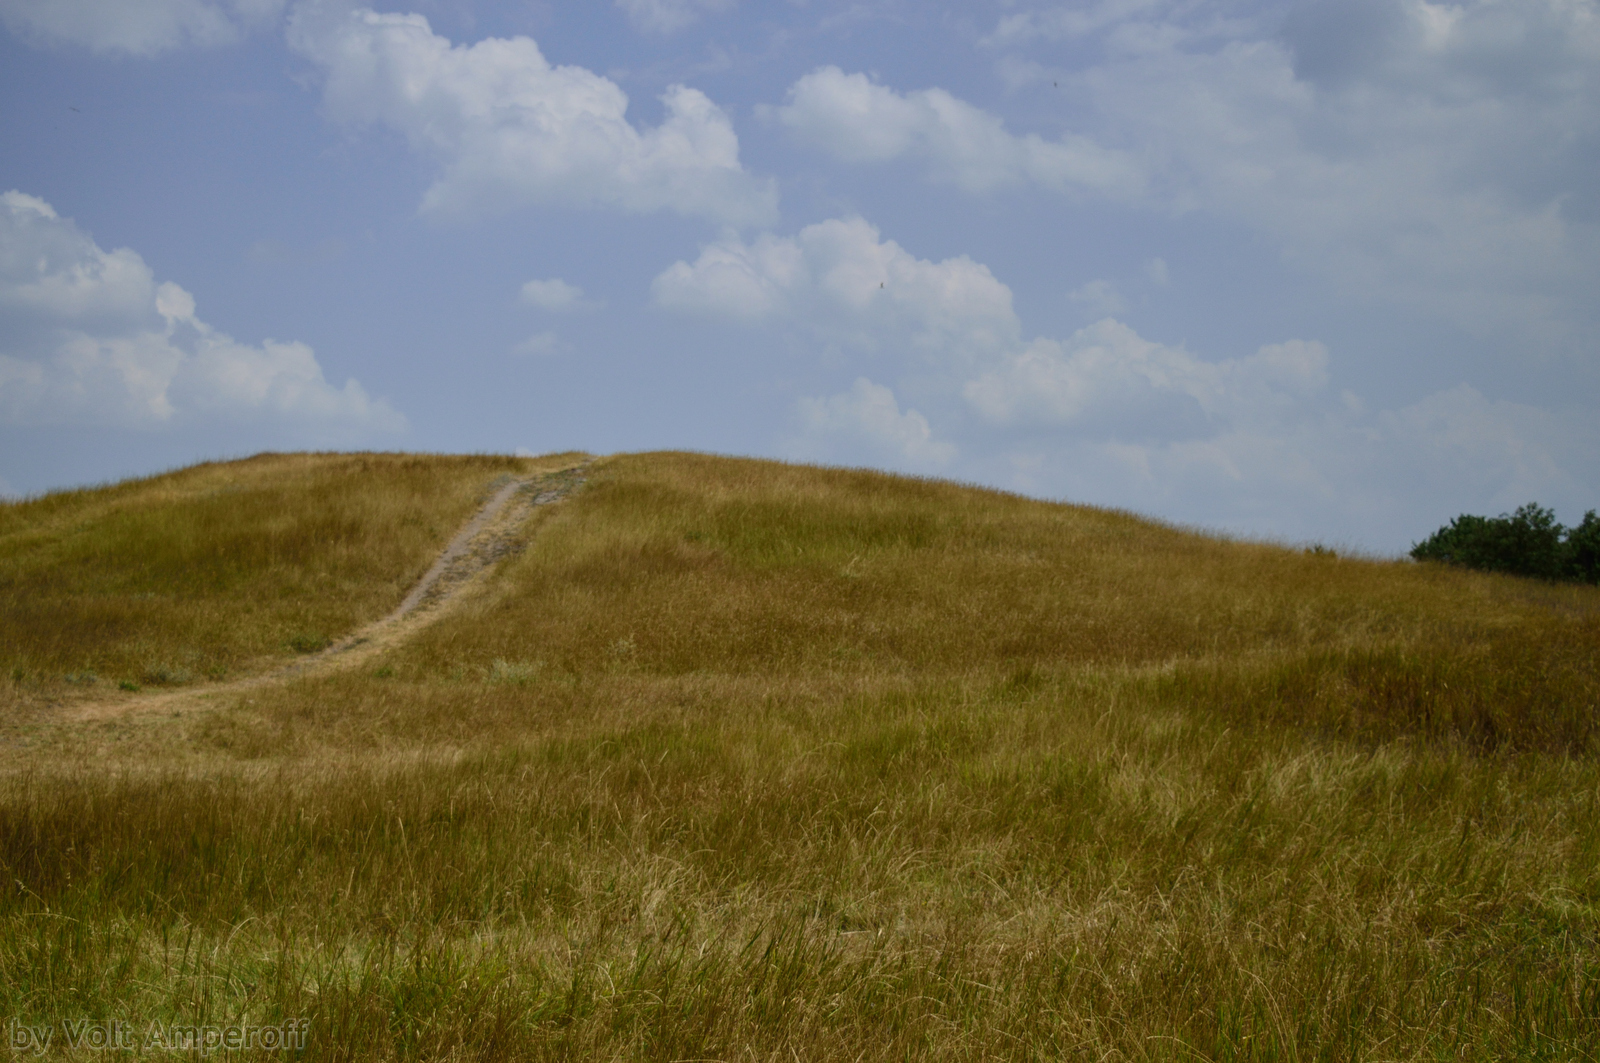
(1528, 542)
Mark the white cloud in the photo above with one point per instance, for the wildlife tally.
(1107, 381)
(669, 16)
(137, 27)
(88, 337)
(1262, 442)
(868, 414)
(857, 121)
(554, 294)
(840, 279)
(1439, 156)
(509, 129)
(1383, 480)
(737, 280)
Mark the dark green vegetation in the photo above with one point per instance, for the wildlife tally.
(740, 760)
(1528, 542)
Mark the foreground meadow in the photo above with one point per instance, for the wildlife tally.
(739, 760)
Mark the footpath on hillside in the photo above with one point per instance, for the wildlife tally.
(491, 534)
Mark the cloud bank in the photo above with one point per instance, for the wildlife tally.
(855, 120)
(1435, 155)
(1262, 440)
(868, 418)
(846, 282)
(88, 337)
(510, 130)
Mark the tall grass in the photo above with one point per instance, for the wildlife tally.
(747, 761)
(207, 571)
(676, 564)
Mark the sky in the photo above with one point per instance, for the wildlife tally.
(1316, 272)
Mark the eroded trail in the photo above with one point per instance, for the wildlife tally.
(491, 534)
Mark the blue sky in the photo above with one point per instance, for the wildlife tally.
(1322, 271)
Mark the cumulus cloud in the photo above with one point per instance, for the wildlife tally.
(1458, 441)
(88, 337)
(1436, 155)
(1382, 479)
(508, 129)
(856, 120)
(669, 16)
(1109, 381)
(1262, 441)
(868, 415)
(137, 27)
(1262, 444)
(840, 278)
(553, 294)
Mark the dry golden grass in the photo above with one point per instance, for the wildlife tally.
(749, 761)
(221, 568)
(674, 564)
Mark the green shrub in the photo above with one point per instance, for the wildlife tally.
(1583, 550)
(1528, 542)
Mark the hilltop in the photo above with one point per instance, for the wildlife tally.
(724, 758)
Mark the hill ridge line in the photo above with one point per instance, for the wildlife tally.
(486, 537)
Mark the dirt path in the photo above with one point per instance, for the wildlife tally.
(490, 535)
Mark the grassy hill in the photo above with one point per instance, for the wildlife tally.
(742, 760)
(222, 567)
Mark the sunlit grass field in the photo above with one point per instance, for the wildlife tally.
(747, 761)
(222, 567)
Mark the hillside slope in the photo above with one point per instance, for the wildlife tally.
(224, 567)
(684, 564)
(744, 760)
